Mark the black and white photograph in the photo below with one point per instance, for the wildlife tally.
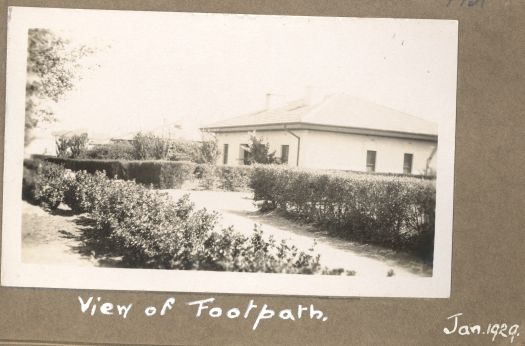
(229, 153)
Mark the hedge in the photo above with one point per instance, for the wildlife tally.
(159, 173)
(151, 230)
(394, 211)
(230, 178)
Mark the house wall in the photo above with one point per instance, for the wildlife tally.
(348, 152)
(274, 138)
(331, 150)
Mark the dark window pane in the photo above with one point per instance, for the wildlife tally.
(245, 154)
(407, 163)
(371, 161)
(225, 154)
(285, 149)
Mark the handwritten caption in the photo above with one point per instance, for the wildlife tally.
(496, 330)
(96, 306)
(466, 3)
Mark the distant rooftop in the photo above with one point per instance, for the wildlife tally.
(340, 110)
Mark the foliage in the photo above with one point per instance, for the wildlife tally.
(72, 146)
(52, 70)
(234, 178)
(209, 150)
(198, 152)
(393, 211)
(260, 151)
(183, 150)
(229, 178)
(50, 185)
(151, 230)
(111, 151)
(206, 175)
(148, 146)
(165, 174)
(157, 173)
(112, 168)
(28, 185)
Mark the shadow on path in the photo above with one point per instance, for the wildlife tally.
(91, 243)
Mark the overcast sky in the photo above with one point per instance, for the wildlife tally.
(200, 68)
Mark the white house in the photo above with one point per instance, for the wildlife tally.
(339, 132)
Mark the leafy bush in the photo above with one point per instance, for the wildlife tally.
(229, 178)
(85, 191)
(183, 150)
(205, 152)
(111, 151)
(207, 176)
(234, 178)
(112, 168)
(72, 146)
(260, 151)
(394, 211)
(50, 185)
(150, 147)
(151, 230)
(209, 150)
(28, 185)
(158, 173)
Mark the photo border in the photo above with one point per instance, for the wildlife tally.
(14, 273)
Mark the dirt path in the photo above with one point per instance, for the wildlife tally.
(51, 239)
(237, 209)
(59, 238)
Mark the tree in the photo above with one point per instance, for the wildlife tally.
(150, 147)
(52, 70)
(72, 147)
(209, 151)
(259, 152)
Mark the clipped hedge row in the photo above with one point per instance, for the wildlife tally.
(394, 211)
(151, 230)
(159, 173)
(230, 178)
(163, 174)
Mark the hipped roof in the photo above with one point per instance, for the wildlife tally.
(339, 111)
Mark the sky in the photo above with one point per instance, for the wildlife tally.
(200, 68)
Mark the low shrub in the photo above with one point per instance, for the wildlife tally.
(174, 174)
(28, 185)
(151, 230)
(111, 151)
(158, 173)
(229, 178)
(112, 168)
(234, 178)
(185, 150)
(207, 176)
(85, 191)
(49, 185)
(394, 211)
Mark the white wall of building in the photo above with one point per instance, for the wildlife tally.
(331, 150)
(349, 151)
(274, 138)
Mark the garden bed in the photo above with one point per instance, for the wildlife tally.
(150, 230)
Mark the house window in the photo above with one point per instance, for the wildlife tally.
(244, 156)
(285, 150)
(370, 161)
(225, 154)
(407, 163)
